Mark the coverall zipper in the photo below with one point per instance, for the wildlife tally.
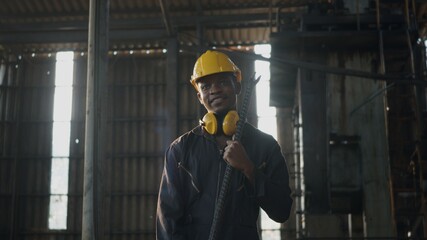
(191, 176)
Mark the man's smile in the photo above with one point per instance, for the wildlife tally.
(218, 99)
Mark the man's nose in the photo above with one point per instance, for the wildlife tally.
(216, 87)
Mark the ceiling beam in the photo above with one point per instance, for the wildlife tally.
(142, 23)
(141, 29)
(76, 36)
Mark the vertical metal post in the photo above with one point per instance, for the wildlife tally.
(200, 29)
(298, 167)
(380, 35)
(417, 110)
(284, 128)
(172, 88)
(16, 163)
(408, 38)
(358, 15)
(96, 76)
(201, 42)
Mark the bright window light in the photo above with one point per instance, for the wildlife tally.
(61, 140)
(266, 123)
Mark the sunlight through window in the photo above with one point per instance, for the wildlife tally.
(266, 123)
(61, 140)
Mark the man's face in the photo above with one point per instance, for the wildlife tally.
(218, 92)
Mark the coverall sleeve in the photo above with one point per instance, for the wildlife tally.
(169, 217)
(271, 185)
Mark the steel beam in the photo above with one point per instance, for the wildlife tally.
(92, 215)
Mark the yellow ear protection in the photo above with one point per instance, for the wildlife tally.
(229, 124)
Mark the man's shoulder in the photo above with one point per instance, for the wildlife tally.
(187, 136)
(251, 131)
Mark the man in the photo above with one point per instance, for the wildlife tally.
(195, 164)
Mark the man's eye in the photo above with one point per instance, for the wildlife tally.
(204, 87)
(225, 83)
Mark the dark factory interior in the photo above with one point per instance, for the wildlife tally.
(92, 92)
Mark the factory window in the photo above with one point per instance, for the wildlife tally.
(61, 140)
(266, 123)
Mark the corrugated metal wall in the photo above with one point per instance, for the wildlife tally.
(26, 125)
(189, 106)
(135, 151)
(137, 138)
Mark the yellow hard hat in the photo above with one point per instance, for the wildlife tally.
(212, 62)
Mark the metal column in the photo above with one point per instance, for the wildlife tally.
(93, 156)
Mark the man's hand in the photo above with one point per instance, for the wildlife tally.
(235, 155)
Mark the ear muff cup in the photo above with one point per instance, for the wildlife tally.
(209, 123)
(229, 124)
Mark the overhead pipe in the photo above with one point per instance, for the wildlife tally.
(306, 65)
(319, 67)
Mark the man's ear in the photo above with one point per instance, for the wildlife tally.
(238, 87)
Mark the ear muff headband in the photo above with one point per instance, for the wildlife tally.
(229, 124)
